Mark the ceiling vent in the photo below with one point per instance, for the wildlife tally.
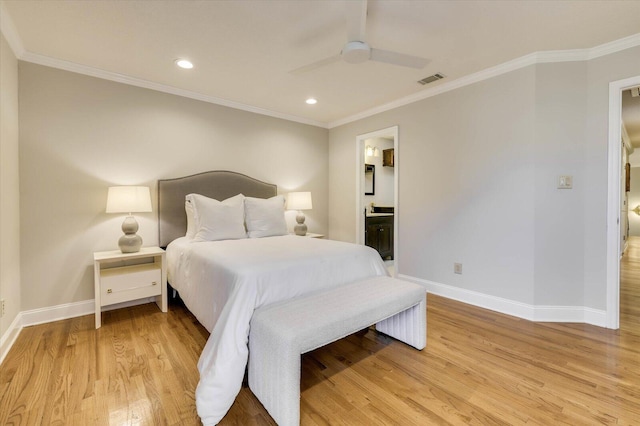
(431, 79)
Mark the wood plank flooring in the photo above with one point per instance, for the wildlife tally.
(479, 367)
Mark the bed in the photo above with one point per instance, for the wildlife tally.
(223, 281)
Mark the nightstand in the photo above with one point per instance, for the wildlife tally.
(312, 235)
(123, 277)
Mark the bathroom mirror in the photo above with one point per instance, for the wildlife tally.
(369, 179)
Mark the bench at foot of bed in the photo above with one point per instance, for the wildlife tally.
(281, 332)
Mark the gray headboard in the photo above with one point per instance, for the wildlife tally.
(220, 185)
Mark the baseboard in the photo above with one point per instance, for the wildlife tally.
(526, 311)
(55, 313)
(9, 337)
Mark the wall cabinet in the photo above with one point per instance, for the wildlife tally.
(387, 157)
(379, 234)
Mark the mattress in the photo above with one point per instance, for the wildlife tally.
(222, 282)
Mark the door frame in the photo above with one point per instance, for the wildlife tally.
(613, 203)
(360, 141)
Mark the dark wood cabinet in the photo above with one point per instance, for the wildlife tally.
(379, 234)
(387, 157)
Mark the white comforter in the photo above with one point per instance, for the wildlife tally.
(222, 282)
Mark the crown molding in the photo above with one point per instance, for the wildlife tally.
(614, 46)
(133, 81)
(551, 56)
(10, 33)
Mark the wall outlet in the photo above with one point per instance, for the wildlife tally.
(2, 308)
(457, 268)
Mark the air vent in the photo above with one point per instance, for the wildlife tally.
(431, 79)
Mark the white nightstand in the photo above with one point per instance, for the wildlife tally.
(122, 277)
(312, 235)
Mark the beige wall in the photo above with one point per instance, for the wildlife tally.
(80, 135)
(478, 176)
(465, 182)
(9, 187)
(634, 201)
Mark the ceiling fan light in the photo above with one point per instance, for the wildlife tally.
(356, 52)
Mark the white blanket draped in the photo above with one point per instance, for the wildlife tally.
(222, 282)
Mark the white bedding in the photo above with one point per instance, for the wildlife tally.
(222, 282)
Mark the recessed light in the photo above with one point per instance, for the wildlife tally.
(183, 63)
(311, 101)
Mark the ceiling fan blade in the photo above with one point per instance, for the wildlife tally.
(312, 66)
(356, 14)
(396, 58)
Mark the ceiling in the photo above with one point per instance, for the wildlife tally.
(243, 51)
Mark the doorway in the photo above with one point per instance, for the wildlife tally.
(377, 170)
(613, 203)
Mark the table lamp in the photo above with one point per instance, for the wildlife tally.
(129, 199)
(299, 201)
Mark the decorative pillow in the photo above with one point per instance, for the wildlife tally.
(217, 220)
(265, 218)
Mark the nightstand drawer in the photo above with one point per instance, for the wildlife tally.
(130, 283)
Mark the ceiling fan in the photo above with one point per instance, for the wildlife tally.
(357, 50)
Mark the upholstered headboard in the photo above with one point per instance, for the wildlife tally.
(220, 185)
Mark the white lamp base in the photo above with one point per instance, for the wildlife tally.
(300, 228)
(130, 242)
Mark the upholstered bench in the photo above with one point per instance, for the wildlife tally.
(281, 332)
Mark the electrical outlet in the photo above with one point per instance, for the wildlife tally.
(2, 308)
(457, 268)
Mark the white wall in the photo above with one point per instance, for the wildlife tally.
(80, 135)
(478, 183)
(9, 188)
(465, 185)
(383, 195)
(601, 72)
(560, 114)
(634, 201)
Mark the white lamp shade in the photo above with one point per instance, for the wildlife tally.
(128, 199)
(299, 201)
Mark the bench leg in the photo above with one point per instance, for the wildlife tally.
(274, 377)
(408, 326)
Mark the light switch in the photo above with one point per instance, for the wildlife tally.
(565, 182)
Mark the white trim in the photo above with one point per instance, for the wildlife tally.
(13, 38)
(613, 200)
(396, 200)
(544, 313)
(56, 313)
(9, 337)
(138, 82)
(614, 46)
(10, 33)
(551, 56)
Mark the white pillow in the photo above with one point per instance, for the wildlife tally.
(218, 220)
(265, 218)
(191, 220)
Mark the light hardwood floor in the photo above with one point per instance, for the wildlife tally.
(479, 367)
